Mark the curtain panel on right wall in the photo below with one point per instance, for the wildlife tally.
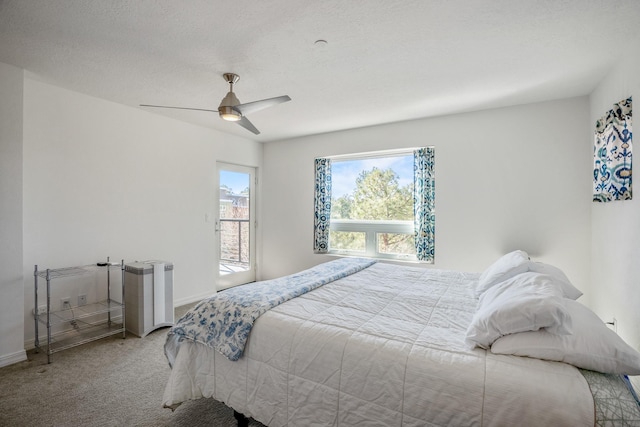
(424, 195)
(612, 154)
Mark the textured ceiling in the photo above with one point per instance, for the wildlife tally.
(385, 60)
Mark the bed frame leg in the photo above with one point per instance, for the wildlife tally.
(242, 420)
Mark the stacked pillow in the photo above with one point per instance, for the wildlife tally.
(528, 308)
(518, 262)
(506, 267)
(569, 291)
(526, 302)
(592, 345)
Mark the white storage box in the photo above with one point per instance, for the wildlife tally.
(148, 296)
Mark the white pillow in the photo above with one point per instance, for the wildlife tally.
(592, 345)
(504, 268)
(526, 302)
(568, 289)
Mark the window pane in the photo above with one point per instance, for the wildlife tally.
(396, 244)
(379, 188)
(234, 221)
(347, 241)
(234, 240)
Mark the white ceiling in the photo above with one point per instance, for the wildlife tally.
(385, 60)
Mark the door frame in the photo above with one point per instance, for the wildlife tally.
(239, 278)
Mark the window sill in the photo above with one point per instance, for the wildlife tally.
(383, 259)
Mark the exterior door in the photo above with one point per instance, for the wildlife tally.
(235, 225)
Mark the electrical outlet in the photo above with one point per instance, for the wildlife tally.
(82, 300)
(65, 303)
(41, 310)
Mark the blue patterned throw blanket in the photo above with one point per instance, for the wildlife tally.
(223, 321)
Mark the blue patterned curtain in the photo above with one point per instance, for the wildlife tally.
(612, 154)
(322, 206)
(424, 195)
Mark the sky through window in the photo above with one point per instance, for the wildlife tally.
(345, 172)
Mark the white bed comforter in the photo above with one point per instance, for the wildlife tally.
(382, 347)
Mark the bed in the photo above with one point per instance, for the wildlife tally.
(352, 342)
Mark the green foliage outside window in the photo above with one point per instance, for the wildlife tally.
(378, 196)
(347, 240)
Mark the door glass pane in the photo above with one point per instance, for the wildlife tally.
(234, 222)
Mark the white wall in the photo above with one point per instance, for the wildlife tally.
(511, 178)
(102, 179)
(11, 294)
(616, 225)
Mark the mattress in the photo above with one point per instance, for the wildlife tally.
(384, 346)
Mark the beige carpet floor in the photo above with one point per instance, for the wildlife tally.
(110, 382)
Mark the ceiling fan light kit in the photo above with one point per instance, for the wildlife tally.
(230, 108)
(225, 110)
(229, 114)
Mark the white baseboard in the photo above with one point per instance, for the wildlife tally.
(31, 344)
(10, 359)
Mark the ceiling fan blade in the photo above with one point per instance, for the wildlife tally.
(178, 108)
(245, 123)
(251, 107)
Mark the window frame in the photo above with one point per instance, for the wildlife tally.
(372, 228)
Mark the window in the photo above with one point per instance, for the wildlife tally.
(376, 205)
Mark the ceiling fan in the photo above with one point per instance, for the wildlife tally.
(231, 109)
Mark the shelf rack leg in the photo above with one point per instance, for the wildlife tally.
(48, 317)
(124, 325)
(109, 292)
(36, 314)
